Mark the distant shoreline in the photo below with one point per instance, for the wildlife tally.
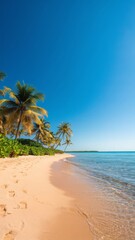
(80, 151)
(119, 151)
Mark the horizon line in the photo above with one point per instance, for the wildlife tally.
(100, 151)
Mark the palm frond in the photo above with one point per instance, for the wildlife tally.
(1, 92)
(39, 110)
(6, 90)
(8, 103)
(14, 96)
(38, 96)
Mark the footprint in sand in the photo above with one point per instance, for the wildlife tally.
(4, 186)
(3, 210)
(4, 168)
(25, 191)
(11, 193)
(23, 173)
(9, 236)
(16, 181)
(22, 205)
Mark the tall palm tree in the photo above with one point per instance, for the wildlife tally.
(21, 107)
(64, 132)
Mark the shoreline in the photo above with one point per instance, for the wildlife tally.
(49, 198)
(92, 213)
(28, 200)
(73, 222)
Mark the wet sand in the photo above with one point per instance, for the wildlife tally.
(91, 215)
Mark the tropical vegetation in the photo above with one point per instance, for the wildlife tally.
(24, 129)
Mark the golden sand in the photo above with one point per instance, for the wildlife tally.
(28, 201)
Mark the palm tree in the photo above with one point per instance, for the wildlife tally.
(21, 108)
(41, 130)
(56, 142)
(49, 140)
(67, 143)
(64, 132)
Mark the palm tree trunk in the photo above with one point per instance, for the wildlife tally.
(18, 126)
(59, 142)
(56, 146)
(65, 148)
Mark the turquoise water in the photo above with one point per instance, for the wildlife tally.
(115, 168)
(114, 174)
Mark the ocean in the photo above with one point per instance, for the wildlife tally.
(113, 173)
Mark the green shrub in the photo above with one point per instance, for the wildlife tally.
(24, 150)
(14, 148)
(58, 151)
(8, 147)
(29, 142)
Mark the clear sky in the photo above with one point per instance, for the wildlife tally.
(81, 55)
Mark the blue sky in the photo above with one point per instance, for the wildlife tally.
(81, 55)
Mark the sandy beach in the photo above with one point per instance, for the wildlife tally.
(46, 198)
(28, 200)
(93, 213)
(35, 203)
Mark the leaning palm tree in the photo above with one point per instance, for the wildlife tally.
(42, 133)
(49, 140)
(67, 143)
(56, 141)
(64, 132)
(21, 108)
(41, 129)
